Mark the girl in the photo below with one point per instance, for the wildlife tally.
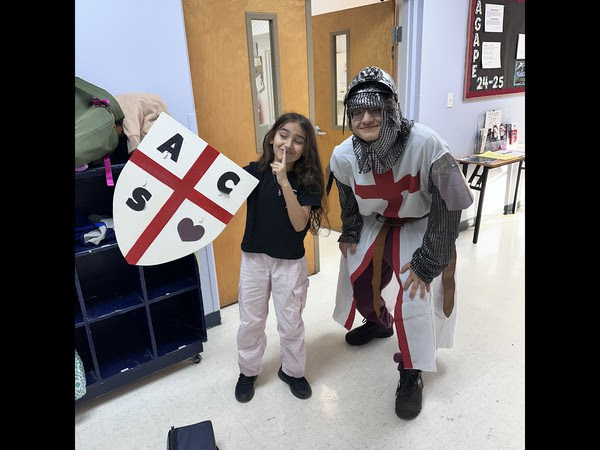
(287, 202)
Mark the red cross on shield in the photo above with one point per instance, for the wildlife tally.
(175, 195)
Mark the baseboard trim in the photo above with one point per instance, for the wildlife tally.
(212, 319)
(508, 208)
(464, 224)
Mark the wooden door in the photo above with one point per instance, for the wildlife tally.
(370, 44)
(220, 72)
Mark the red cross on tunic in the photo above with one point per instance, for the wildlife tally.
(387, 189)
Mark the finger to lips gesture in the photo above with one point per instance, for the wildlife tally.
(279, 169)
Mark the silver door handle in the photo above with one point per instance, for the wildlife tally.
(318, 131)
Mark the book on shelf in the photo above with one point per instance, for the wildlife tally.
(493, 131)
(503, 155)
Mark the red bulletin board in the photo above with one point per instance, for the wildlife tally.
(509, 78)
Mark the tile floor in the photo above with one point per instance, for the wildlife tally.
(476, 400)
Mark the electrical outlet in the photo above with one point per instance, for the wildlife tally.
(450, 101)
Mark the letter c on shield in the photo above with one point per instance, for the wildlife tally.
(227, 176)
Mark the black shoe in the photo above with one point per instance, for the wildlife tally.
(299, 386)
(409, 393)
(244, 389)
(365, 333)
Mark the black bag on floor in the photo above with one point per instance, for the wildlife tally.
(198, 436)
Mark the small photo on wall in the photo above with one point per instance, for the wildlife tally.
(519, 79)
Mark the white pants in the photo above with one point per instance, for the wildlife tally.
(287, 281)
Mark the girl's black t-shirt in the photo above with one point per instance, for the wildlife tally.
(268, 227)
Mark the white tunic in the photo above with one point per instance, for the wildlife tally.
(420, 327)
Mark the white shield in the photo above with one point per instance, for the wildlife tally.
(175, 195)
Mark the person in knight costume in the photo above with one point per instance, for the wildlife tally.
(401, 195)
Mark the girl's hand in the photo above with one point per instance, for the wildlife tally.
(279, 169)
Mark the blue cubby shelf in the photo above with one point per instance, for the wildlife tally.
(130, 321)
(124, 362)
(177, 322)
(82, 249)
(105, 306)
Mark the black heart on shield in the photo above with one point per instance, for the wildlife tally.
(189, 232)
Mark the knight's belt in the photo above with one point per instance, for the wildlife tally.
(447, 274)
(388, 223)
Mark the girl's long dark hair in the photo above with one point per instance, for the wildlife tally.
(308, 168)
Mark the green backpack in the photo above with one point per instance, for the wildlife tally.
(96, 112)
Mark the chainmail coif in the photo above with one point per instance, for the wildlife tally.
(381, 154)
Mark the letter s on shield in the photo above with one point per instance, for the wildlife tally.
(175, 195)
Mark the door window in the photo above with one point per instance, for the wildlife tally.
(339, 73)
(263, 59)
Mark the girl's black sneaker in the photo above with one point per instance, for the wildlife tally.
(244, 389)
(299, 386)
